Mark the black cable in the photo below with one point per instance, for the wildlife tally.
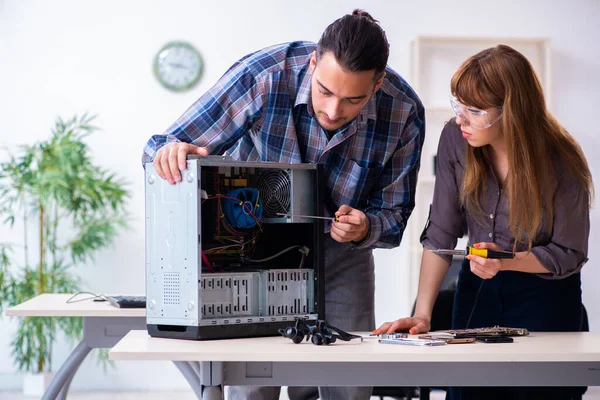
(474, 304)
(95, 297)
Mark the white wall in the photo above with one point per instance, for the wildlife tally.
(64, 57)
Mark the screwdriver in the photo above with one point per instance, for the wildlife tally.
(485, 253)
(335, 218)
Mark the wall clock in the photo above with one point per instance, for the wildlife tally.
(177, 66)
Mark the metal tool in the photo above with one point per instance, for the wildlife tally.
(394, 335)
(485, 253)
(413, 342)
(335, 218)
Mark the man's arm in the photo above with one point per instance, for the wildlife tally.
(217, 119)
(393, 198)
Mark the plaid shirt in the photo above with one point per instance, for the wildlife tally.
(260, 110)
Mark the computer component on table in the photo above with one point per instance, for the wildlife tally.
(228, 251)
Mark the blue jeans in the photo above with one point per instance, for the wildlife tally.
(517, 300)
(349, 305)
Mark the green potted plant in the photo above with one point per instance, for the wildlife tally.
(68, 208)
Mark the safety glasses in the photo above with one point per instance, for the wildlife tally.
(473, 117)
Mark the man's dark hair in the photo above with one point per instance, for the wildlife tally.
(357, 42)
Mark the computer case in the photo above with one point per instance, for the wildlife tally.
(229, 250)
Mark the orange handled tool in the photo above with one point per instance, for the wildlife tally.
(485, 253)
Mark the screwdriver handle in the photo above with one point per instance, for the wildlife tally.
(485, 253)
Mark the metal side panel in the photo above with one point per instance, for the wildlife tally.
(172, 249)
(302, 195)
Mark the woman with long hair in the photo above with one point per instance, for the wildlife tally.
(519, 182)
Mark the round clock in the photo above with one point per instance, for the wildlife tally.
(177, 66)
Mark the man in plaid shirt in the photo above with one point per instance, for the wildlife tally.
(335, 103)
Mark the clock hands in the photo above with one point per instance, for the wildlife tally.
(178, 65)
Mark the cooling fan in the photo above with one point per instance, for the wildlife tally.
(242, 207)
(275, 189)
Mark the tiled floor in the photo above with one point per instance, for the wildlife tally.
(592, 394)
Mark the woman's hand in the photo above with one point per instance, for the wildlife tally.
(414, 325)
(485, 268)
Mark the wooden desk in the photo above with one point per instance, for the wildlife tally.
(541, 359)
(103, 326)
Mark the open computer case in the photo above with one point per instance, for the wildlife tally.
(227, 253)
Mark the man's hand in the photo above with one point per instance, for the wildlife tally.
(485, 268)
(414, 325)
(172, 158)
(352, 225)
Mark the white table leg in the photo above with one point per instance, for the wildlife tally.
(212, 393)
(191, 375)
(211, 379)
(67, 370)
(98, 332)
